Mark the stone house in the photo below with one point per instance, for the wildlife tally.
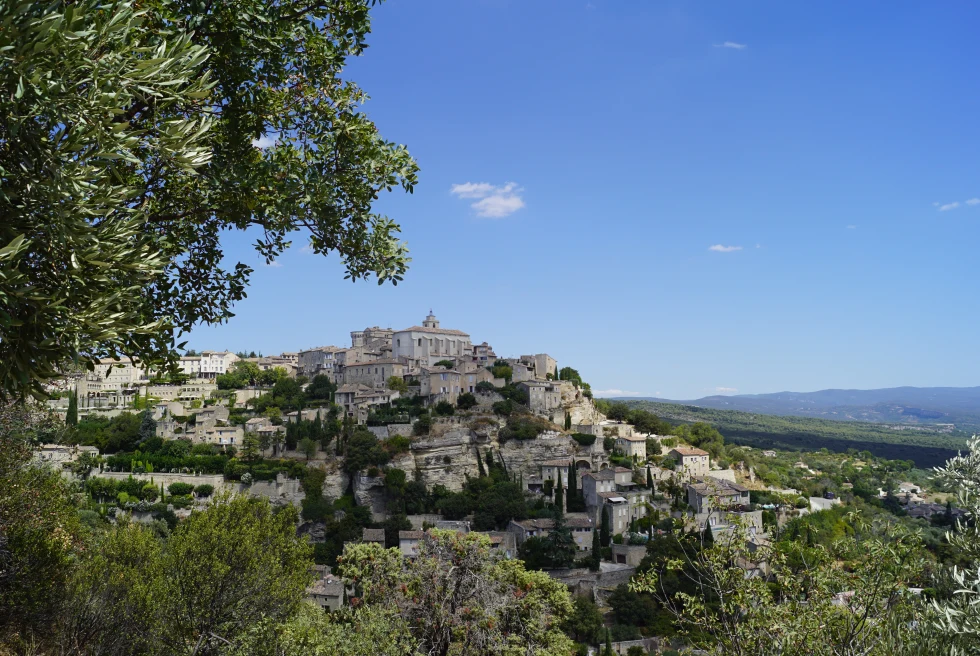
(376, 535)
(628, 554)
(615, 489)
(440, 384)
(690, 461)
(253, 425)
(408, 542)
(327, 592)
(59, 455)
(550, 469)
(543, 397)
(618, 479)
(374, 374)
(633, 446)
(429, 343)
(483, 355)
(580, 525)
(324, 360)
(708, 494)
(209, 364)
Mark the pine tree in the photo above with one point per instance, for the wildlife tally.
(479, 464)
(71, 418)
(148, 427)
(604, 528)
(560, 495)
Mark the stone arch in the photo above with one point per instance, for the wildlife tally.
(583, 465)
(604, 465)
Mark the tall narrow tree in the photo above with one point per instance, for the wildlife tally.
(604, 528)
(560, 495)
(479, 464)
(71, 417)
(596, 557)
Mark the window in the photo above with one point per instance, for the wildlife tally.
(444, 376)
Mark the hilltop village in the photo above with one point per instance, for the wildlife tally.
(410, 430)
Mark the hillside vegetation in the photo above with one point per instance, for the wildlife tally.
(807, 433)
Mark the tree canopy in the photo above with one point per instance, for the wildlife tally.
(136, 135)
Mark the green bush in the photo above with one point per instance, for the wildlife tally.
(422, 425)
(180, 489)
(584, 439)
(523, 427)
(204, 490)
(444, 409)
(150, 492)
(608, 443)
(465, 401)
(503, 408)
(485, 386)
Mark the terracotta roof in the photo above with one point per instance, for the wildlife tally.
(373, 535)
(410, 535)
(434, 331)
(689, 451)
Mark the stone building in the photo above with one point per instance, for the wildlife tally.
(320, 360)
(690, 461)
(614, 489)
(483, 355)
(634, 446)
(440, 384)
(711, 494)
(374, 374)
(429, 343)
(408, 542)
(580, 524)
(209, 364)
(543, 397)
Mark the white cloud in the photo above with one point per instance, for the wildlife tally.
(852, 227)
(973, 201)
(494, 202)
(725, 390)
(618, 392)
(719, 248)
(472, 189)
(732, 45)
(274, 264)
(265, 141)
(949, 206)
(758, 245)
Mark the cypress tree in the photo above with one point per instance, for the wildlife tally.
(560, 495)
(572, 502)
(71, 418)
(604, 528)
(649, 479)
(608, 651)
(479, 464)
(568, 421)
(596, 558)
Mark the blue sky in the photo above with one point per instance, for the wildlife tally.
(599, 150)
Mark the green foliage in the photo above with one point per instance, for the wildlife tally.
(77, 177)
(584, 439)
(466, 401)
(204, 490)
(363, 451)
(180, 489)
(120, 433)
(523, 427)
(445, 364)
(502, 608)
(321, 388)
(39, 527)
(71, 417)
(397, 384)
(422, 425)
(142, 155)
(585, 623)
(502, 371)
(604, 527)
(443, 409)
(485, 386)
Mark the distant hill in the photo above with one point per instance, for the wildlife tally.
(925, 446)
(912, 407)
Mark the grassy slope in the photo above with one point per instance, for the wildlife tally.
(927, 449)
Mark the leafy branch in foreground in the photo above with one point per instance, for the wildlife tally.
(850, 599)
(127, 137)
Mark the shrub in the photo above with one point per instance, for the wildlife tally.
(180, 489)
(523, 427)
(444, 409)
(608, 443)
(204, 490)
(373, 472)
(150, 492)
(503, 408)
(465, 401)
(584, 439)
(397, 444)
(247, 478)
(485, 386)
(422, 425)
